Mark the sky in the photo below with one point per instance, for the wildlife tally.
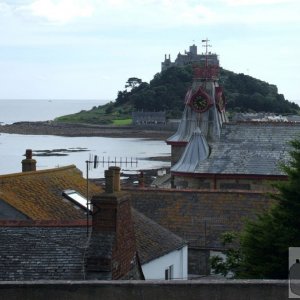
(87, 49)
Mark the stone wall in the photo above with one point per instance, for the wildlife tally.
(232, 182)
(176, 153)
(159, 290)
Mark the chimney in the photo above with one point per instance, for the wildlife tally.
(28, 164)
(112, 180)
(112, 250)
(141, 180)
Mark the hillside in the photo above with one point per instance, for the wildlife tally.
(167, 89)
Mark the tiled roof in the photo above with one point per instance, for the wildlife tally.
(38, 194)
(153, 240)
(50, 251)
(250, 148)
(35, 253)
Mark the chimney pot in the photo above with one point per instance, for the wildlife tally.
(28, 154)
(28, 164)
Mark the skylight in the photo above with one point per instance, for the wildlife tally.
(75, 197)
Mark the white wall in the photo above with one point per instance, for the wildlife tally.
(155, 269)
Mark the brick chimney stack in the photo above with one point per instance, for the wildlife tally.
(112, 180)
(112, 250)
(28, 164)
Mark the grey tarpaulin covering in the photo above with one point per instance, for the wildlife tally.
(210, 121)
(186, 127)
(196, 150)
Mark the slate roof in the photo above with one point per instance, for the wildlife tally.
(38, 194)
(254, 148)
(153, 240)
(58, 252)
(35, 253)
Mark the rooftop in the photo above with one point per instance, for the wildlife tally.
(31, 250)
(255, 148)
(37, 195)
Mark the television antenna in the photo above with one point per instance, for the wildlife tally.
(94, 162)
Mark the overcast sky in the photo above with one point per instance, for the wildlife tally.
(87, 49)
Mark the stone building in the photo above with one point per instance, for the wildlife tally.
(149, 118)
(208, 152)
(46, 232)
(189, 57)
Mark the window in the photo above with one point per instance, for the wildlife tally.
(75, 197)
(169, 273)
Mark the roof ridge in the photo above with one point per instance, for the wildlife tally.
(44, 223)
(59, 169)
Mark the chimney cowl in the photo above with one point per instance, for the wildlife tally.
(28, 154)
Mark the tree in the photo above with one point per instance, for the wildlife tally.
(122, 97)
(133, 82)
(264, 243)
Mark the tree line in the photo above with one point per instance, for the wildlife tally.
(167, 89)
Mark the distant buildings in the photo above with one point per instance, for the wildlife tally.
(189, 57)
(149, 118)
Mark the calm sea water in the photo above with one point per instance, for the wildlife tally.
(42, 110)
(13, 146)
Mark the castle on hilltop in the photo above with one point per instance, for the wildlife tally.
(208, 152)
(190, 57)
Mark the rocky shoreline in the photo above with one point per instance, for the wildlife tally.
(74, 130)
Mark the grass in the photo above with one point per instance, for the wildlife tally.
(122, 122)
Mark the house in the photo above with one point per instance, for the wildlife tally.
(41, 195)
(149, 118)
(45, 234)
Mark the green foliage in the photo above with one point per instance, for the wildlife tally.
(264, 243)
(230, 265)
(105, 114)
(167, 89)
(245, 93)
(133, 82)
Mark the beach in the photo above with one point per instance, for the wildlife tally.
(87, 130)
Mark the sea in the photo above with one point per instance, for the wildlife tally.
(131, 154)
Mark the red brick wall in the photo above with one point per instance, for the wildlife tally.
(112, 216)
(124, 252)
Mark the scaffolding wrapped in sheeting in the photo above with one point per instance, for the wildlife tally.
(186, 126)
(196, 150)
(210, 121)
